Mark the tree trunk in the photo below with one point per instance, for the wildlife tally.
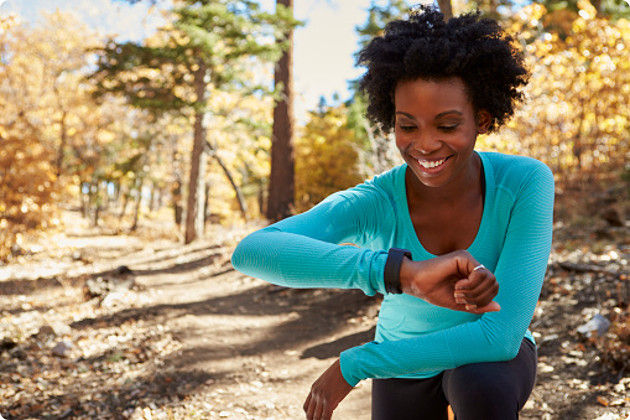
(261, 198)
(239, 195)
(96, 202)
(117, 187)
(136, 210)
(176, 193)
(597, 4)
(206, 213)
(123, 210)
(446, 8)
(62, 143)
(153, 200)
(176, 189)
(159, 198)
(281, 180)
(194, 202)
(84, 202)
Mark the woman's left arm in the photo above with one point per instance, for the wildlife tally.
(495, 336)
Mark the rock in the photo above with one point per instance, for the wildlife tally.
(61, 328)
(44, 332)
(598, 323)
(119, 279)
(123, 270)
(96, 287)
(18, 353)
(613, 217)
(7, 344)
(61, 349)
(118, 298)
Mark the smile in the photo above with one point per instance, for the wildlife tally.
(432, 164)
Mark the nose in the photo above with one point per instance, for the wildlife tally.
(426, 142)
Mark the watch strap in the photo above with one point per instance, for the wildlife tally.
(392, 269)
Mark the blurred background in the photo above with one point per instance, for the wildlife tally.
(115, 109)
(141, 139)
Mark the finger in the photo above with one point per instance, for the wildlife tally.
(491, 307)
(472, 264)
(462, 284)
(485, 296)
(471, 281)
(327, 414)
(310, 412)
(308, 400)
(317, 413)
(487, 283)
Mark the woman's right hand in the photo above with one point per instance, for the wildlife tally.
(451, 281)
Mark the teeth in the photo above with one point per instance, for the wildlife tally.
(431, 164)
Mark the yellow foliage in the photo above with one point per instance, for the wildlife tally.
(27, 188)
(576, 115)
(326, 158)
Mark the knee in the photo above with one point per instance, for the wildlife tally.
(475, 394)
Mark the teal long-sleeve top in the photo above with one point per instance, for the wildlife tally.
(415, 339)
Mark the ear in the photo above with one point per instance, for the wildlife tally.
(483, 121)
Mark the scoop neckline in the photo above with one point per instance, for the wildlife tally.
(479, 236)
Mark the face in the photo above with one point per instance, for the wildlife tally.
(436, 129)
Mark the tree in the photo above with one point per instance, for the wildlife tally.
(576, 115)
(327, 157)
(281, 180)
(446, 8)
(380, 149)
(28, 185)
(207, 45)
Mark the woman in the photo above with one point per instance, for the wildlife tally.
(435, 236)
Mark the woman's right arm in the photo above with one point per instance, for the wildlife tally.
(302, 251)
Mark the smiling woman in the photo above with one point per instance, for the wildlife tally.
(456, 240)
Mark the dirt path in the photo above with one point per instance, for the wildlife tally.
(195, 339)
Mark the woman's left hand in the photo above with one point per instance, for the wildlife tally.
(326, 393)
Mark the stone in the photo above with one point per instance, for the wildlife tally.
(62, 349)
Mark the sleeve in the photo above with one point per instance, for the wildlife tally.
(302, 250)
(495, 336)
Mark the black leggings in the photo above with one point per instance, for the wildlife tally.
(480, 391)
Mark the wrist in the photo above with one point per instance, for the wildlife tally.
(395, 257)
(406, 274)
(409, 273)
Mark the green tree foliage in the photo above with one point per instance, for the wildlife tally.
(208, 44)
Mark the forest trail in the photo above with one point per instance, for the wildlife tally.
(184, 335)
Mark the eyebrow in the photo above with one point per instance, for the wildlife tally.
(441, 114)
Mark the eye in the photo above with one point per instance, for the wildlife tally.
(448, 128)
(407, 128)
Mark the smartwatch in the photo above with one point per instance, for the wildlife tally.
(392, 269)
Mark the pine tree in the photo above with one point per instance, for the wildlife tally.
(282, 177)
(209, 43)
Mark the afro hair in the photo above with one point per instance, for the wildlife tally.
(426, 46)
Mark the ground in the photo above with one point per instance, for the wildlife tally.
(178, 333)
